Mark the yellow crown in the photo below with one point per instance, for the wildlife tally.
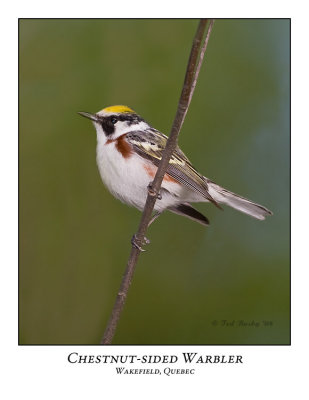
(118, 109)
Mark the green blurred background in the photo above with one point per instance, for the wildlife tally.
(75, 237)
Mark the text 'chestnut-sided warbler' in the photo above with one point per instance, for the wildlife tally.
(128, 153)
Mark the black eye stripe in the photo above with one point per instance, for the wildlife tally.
(108, 122)
(130, 118)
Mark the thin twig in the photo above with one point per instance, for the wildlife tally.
(193, 69)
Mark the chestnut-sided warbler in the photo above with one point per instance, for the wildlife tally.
(128, 153)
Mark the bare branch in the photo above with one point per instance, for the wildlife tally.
(193, 69)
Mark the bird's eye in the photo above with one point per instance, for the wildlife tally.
(114, 120)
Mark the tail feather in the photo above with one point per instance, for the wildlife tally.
(231, 199)
(186, 210)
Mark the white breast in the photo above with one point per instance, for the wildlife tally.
(123, 177)
(127, 179)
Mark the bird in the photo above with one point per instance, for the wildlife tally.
(128, 153)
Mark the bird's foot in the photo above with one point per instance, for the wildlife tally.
(138, 242)
(153, 192)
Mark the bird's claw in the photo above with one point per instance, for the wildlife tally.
(139, 242)
(153, 192)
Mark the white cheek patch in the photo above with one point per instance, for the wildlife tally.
(138, 126)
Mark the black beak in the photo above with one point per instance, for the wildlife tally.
(93, 117)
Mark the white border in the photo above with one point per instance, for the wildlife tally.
(43, 372)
